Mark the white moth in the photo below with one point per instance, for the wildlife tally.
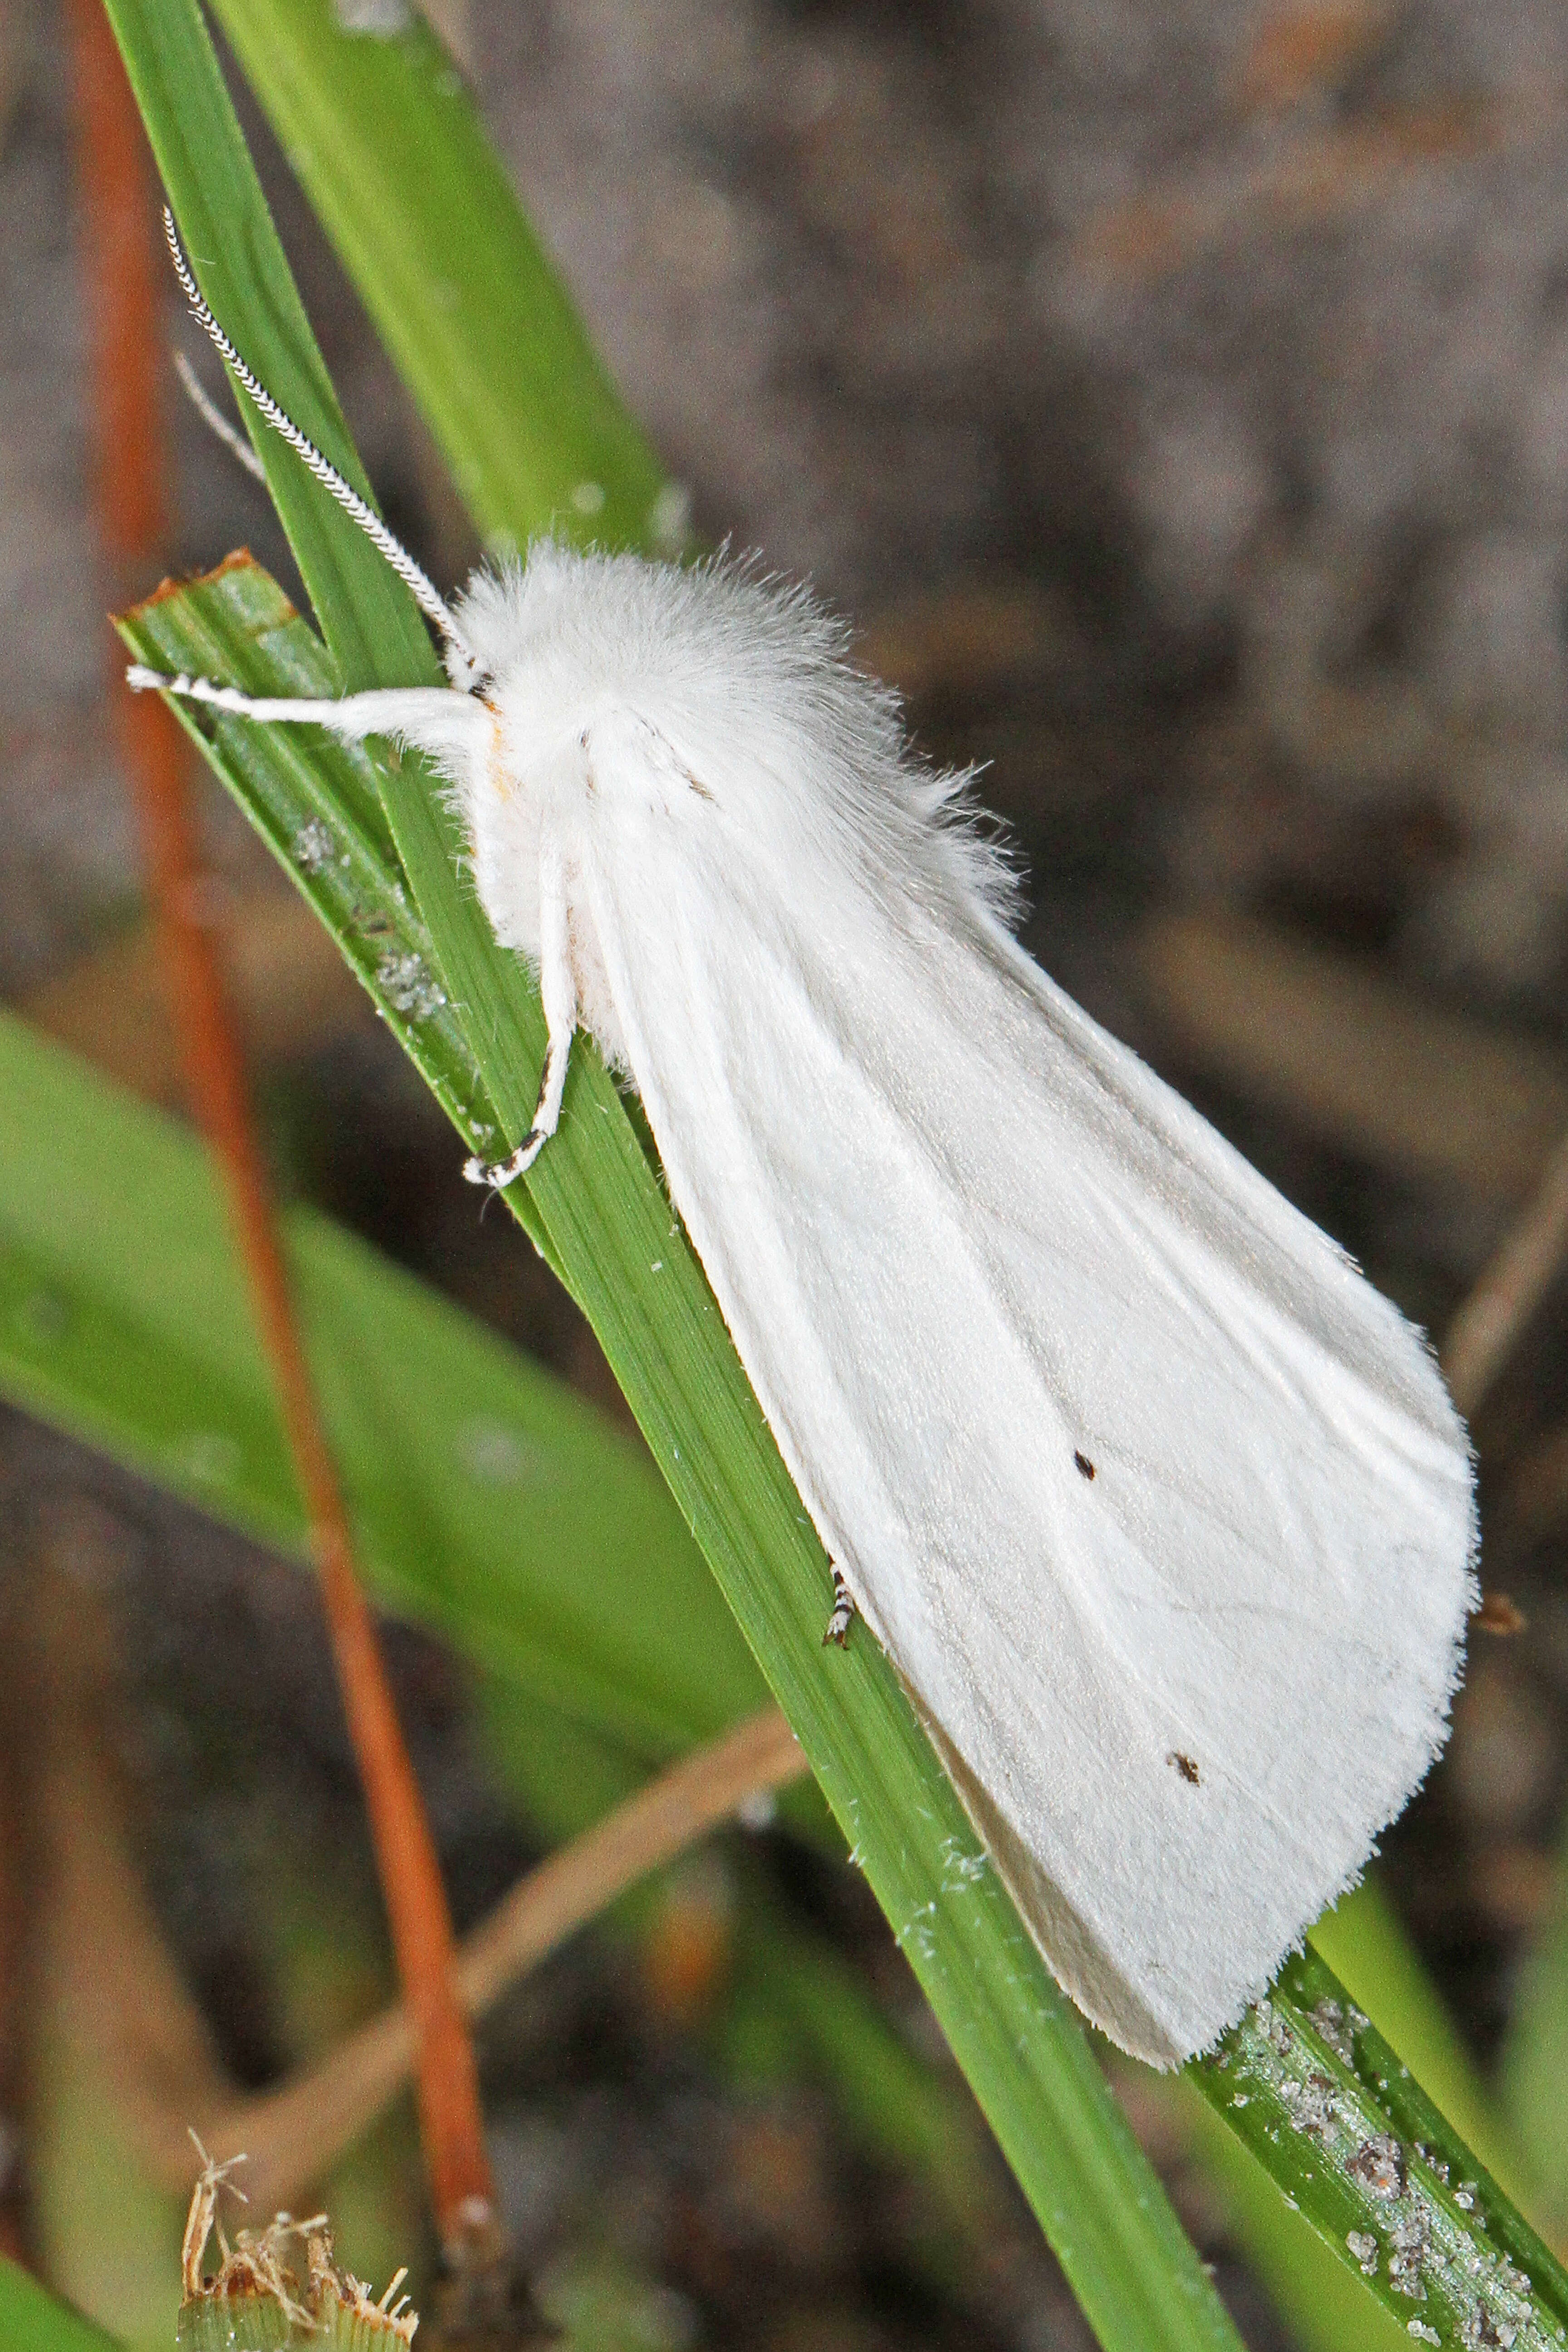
(1162, 1512)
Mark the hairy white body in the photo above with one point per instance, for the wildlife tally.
(1162, 1512)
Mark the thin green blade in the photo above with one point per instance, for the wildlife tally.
(1311, 2088)
(384, 139)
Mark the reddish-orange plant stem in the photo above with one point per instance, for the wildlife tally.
(120, 252)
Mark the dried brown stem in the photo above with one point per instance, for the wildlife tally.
(290, 987)
(119, 249)
(1490, 1324)
(292, 2134)
(1310, 174)
(1349, 1056)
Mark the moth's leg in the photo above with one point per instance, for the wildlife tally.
(843, 1610)
(559, 990)
(434, 718)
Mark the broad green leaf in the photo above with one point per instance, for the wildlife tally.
(610, 1231)
(32, 2320)
(490, 1501)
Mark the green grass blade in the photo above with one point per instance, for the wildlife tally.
(1308, 2084)
(32, 2320)
(386, 144)
(1535, 2059)
(518, 1522)
(315, 81)
(610, 1230)
(121, 1317)
(1324, 2300)
(368, 617)
(1362, 1939)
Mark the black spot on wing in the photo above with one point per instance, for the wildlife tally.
(1085, 1466)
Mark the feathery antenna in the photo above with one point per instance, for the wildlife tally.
(426, 594)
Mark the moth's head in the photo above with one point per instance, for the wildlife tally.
(507, 643)
(547, 641)
(525, 609)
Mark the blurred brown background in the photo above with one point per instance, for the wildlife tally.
(1176, 398)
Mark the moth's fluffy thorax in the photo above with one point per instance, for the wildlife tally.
(713, 636)
(713, 694)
